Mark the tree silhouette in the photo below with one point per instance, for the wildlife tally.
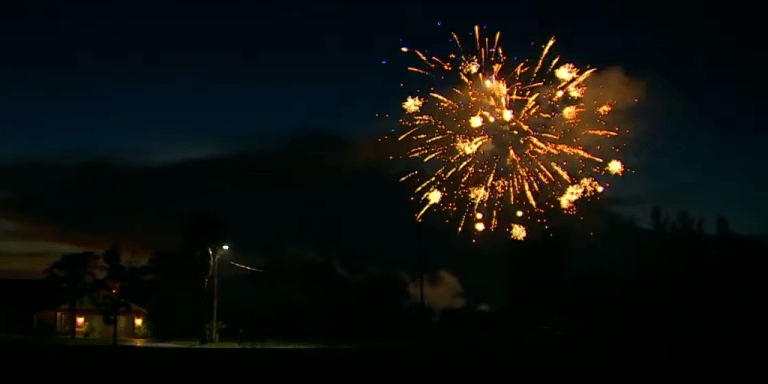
(72, 273)
(685, 222)
(722, 227)
(175, 288)
(659, 225)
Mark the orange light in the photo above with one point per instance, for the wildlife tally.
(138, 321)
(80, 321)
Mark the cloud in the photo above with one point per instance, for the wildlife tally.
(308, 187)
(28, 247)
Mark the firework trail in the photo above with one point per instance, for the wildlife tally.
(504, 136)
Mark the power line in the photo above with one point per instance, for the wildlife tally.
(245, 267)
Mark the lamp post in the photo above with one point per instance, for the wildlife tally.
(215, 331)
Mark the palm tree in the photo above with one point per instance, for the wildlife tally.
(110, 306)
(72, 273)
(121, 282)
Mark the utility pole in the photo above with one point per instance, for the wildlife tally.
(117, 303)
(215, 294)
(420, 254)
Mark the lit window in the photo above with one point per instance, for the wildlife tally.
(138, 321)
(80, 321)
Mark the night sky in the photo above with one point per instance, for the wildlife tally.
(167, 81)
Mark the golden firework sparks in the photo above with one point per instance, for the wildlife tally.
(470, 66)
(571, 112)
(524, 119)
(469, 147)
(604, 109)
(574, 192)
(433, 197)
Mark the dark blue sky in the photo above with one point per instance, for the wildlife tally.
(168, 80)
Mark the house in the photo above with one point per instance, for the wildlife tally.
(89, 320)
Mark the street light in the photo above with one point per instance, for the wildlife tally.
(214, 329)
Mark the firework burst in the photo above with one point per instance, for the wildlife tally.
(504, 139)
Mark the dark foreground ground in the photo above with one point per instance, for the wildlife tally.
(684, 359)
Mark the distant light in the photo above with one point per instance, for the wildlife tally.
(383, 61)
(438, 23)
(226, 247)
(480, 227)
(404, 49)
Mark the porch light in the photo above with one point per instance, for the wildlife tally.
(138, 321)
(80, 321)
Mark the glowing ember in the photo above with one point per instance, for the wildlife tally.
(517, 232)
(413, 104)
(566, 73)
(615, 167)
(476, 121)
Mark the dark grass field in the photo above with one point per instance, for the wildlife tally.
(679, 358)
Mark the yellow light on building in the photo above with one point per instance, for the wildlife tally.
(80, 321)
(138, 321)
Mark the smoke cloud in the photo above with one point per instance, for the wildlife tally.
(441, 292)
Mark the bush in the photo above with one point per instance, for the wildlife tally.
(87, 329)
(209, 329)
(144, 330)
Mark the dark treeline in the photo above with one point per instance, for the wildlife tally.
(675, 281)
